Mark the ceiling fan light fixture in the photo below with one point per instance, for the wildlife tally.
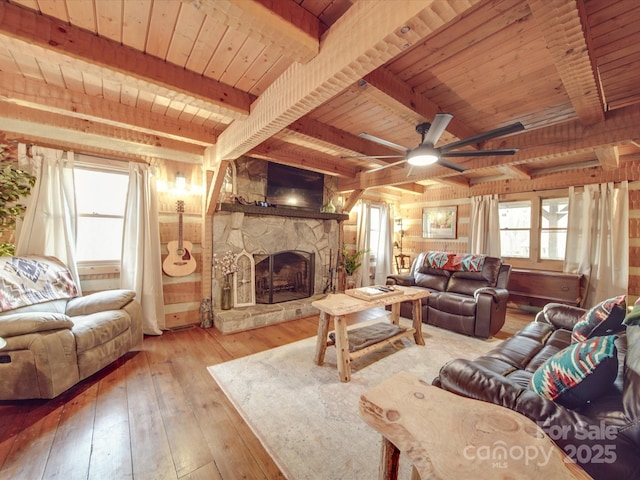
(422, 156)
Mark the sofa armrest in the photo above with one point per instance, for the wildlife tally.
(498, 294)
(33, 322)
(560, 315)
(99, 302)
(404, 280)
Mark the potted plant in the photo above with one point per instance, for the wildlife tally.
(350, 263)
(14, 185)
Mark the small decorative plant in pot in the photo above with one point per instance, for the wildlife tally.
(350, 263)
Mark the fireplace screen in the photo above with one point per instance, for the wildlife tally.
(284, 276)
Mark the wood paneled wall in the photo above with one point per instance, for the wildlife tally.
(411, 210)
(182, 295)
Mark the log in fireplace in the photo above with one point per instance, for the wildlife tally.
(284, 276)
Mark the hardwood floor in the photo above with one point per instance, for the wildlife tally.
(154, 414)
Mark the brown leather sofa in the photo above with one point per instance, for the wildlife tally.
(603, 434)
(468, 292)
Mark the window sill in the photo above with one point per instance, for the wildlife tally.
(98, 269)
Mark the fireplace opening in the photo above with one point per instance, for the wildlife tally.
(284, 276)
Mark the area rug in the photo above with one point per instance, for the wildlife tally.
(308, 420)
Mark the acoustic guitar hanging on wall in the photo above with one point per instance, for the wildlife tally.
(179, 262)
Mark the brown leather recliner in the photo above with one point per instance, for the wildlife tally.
(603, 435)
(472, 301)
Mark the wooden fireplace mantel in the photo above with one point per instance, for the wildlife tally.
(282, 212)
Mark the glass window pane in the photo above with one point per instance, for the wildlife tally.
(555, 212)
(514, 243)
(515, 214)
(99, 192)
(99, 239)
(552, 244)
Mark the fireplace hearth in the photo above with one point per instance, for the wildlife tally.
(284, 276)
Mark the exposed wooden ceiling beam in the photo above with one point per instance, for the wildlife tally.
(456, 181)
(117, 139)
(51, 98)
(410, 188)
(352, 199)
(562, 168)
(561, 24)
(330, 137)
(402, 95)
(283, 23)
(43, 37)
(373, 32)
(517, 171)
(302, 158)
(608, 157)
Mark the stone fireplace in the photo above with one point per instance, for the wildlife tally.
(274, 240)
(284, 276)
(295, 249)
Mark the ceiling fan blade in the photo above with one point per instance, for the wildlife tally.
(480, 153)
(452, 166)
(385, 166)
(498, 132)
(437, 128)
(386, 143)
(372, 156)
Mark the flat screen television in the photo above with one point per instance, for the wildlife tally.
(294, 187)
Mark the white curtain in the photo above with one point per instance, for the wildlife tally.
(598, 240)
(377, 263)
(363, 232)
(484, 230)
(49, 226)
(141, 257)
(384, 253)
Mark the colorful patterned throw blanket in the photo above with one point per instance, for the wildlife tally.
(30, 280)
(454, 262)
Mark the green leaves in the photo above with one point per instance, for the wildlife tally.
(350, 261)
(14, 185)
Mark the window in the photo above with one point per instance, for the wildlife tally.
(515, 228)
(553, 228)
(100, 200)
(533, 229)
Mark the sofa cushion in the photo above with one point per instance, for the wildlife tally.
(432, 278)
(604, 318)
(452, 303)
(24, 323)
(98, 328)
(99, 301)
(579, 373)
(467, 282)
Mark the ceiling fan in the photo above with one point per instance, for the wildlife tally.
(427, 153)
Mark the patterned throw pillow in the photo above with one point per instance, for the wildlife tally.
(603, 319)
(578, 374)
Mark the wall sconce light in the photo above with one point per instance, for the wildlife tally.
(181, 181)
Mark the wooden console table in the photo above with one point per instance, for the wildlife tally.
(339, 304)
(449, 436)
(539, 287)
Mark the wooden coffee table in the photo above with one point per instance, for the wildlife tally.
(449, 436)
(377, 336)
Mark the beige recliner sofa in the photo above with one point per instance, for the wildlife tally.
(56, 338)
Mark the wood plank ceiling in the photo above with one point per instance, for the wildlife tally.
(297, 81)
